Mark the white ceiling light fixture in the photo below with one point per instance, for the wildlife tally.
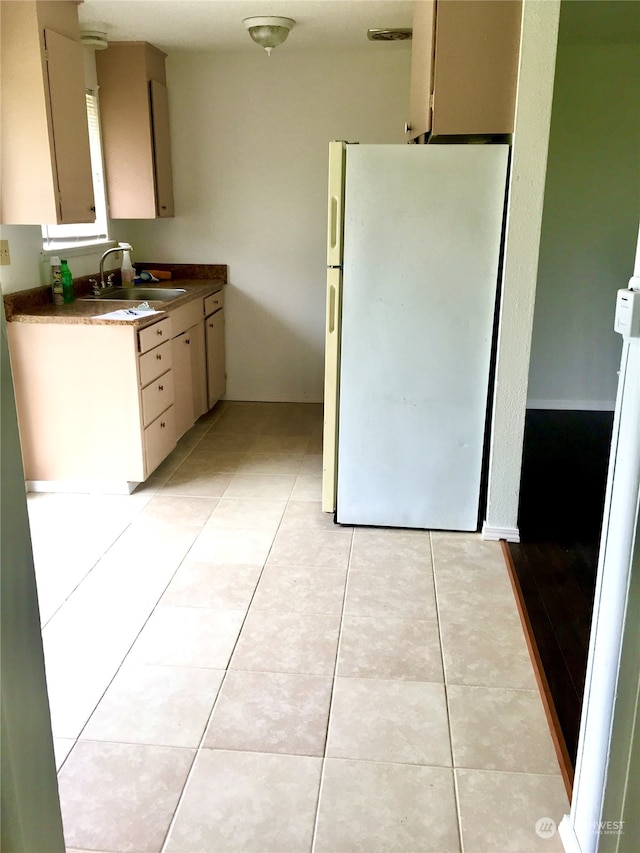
(268, 31)
(94, 35)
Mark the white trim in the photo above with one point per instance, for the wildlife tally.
(573, 405)
(83, 487)
(567, 836)
(536, 71)
(78, 251)
(610, 601)
(494, 534)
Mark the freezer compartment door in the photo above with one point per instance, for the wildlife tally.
(422, 244)
(331, 389)
(335, 212)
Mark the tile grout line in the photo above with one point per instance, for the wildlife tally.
(456, 792)
(126, 654)
(199, 747)
(333, 687)
(124, 657)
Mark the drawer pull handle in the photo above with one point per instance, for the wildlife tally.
(162, 425)
(160, 387)
(159, 332)
(158, 356)
(187, 340)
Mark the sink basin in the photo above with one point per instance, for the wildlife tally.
(140, 294)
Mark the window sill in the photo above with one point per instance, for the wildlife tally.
(79, 251)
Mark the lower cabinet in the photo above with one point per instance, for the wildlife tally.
(216, 370)
(95, 403)
(198, 371)
(100, 406)
(184, 415)
(214, 338)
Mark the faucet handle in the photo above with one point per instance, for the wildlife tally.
(110, 278)
(94, 287)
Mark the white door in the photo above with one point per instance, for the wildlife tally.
(608, 725)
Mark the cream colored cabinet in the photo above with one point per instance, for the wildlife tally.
(188, 365)
(134, 114)
(183, 395)
(44, 138)
(95, 403)
(198, 370)
(464, 66)
(214, 335)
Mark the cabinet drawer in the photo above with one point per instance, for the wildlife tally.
(154, 363)
(186, 316)
(213, 302)
(154, 335)
(157, 397)
(159, 440)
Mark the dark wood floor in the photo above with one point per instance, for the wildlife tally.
(561, 504)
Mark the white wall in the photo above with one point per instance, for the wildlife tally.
(526, 197)
(250, 141)
(29, 267)
(589, 224)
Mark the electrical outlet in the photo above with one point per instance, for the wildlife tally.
(5, 258)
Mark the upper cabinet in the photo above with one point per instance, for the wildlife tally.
(464, 67)
(134, 114)
(44, 138)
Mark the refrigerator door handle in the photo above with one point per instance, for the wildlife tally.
(333, 220)
(332, 309)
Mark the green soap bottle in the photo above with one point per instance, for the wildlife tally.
(67, 282)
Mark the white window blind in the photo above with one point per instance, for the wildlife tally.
(85, 233)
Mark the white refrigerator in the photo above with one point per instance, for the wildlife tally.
(414, 244)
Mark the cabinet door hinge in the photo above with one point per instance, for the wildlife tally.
(431, 100)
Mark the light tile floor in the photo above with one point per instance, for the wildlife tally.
(230, 671)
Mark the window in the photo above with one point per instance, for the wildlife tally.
(85, 233)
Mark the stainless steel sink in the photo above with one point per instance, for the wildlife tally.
(140, 294)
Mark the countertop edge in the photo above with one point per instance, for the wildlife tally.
(83, 311)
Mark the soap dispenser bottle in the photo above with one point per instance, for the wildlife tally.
(127, 271)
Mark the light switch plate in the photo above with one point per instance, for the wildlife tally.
(5, 258)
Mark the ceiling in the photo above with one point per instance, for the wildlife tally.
(196, 25)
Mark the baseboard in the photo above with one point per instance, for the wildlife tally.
(494, 534)
(567, 836)
(559, 743)
(82, 487)
(573, 405)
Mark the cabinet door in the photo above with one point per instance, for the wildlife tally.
(198, 370)
(65, 73)
(161, 148)
(216, 370)
(183, 383)
(476, 66)
(421, 69)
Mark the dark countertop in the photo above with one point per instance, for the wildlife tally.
(35, 305)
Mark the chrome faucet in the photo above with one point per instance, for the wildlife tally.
(119, 248)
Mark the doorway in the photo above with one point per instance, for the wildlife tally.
(586, 254)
